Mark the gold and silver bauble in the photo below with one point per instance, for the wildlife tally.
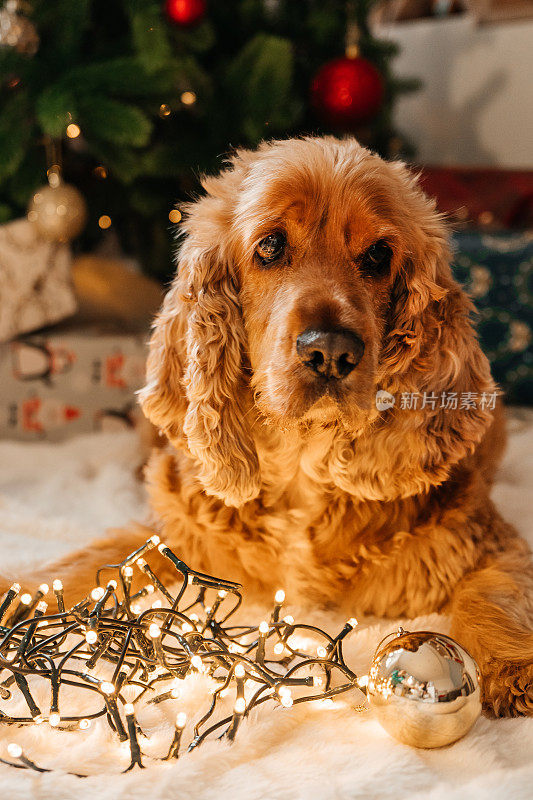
(424, 688)
(16, 30)
(58, 211)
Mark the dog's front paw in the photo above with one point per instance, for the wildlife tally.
(508, 689)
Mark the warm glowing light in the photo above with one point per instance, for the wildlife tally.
(41, 607)
(288, 620)
(15, 587)
(25, 599)
(154, 631)
(263, 628)
(239, 671)
(54, 719)
(44, 588)
(352, 622)
(321, 652)
(14, 750)
(91, 637)
(112, 584)
(100, 172)
(129, 709)
(317, 680)
(154, 540)
(141, 563)
(286, 700)
(188, 98)
(57, 585)
(157, 604)
(84, 724)
(181, 720)
(187, 627)
(164, 110)
(127, 572)
(73, 130)
(104, 222)
(107, 687)
(279, 647)
(222, 594)
(162, 547)
(240, 705)
(197, 663)
(175, 215)
(280, 596)
(38, 719)
(97, 593)
(362, 681)
(175, 693)
(135, 607)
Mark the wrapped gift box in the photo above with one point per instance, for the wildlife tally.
(66, 382)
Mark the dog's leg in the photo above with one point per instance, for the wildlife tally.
(77, 570)
(492, 616)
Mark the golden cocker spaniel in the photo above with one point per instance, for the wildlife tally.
(312, 278)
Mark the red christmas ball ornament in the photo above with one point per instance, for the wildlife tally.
(185, 13)
(347, 92)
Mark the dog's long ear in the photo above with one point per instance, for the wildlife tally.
(432, 347)
(196, 390)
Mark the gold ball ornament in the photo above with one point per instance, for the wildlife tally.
(424, 688)
(16, 30)
(58, 212)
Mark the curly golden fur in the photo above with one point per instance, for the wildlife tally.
(273, 477)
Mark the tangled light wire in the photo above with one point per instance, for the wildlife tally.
(149, 652)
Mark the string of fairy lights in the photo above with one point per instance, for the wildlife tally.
(129, 649)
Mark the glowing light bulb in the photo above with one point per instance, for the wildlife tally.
(73, 130)
(321, 652)
(14, 750)
(104, 222)
(129, 709)
(187, 627)
(41, 607)
(57, 585)
(44, 588)
(197, 663)
(127, 572)
(279, 647)
(317, 680)
(135, 607)
(289, 620)
(141, 563)
(97, 593)
(286, 700)
(222, 594)
(112, 585)
(155, 539)
(279, 596)
(174, 215)
(188, 98)
(263, 627)
(181, 719)
(91, 637)
(162, 547)
(362, 681)
(54, 719)
(240, 705)
(157, 604)
(84, 724)
(194, 617)
(149, 588)
(38, 719)
(175, 693)
(25, 599)
(352, 622)
(283, 690)
(154, 631)
(107, 687)
(239, 671)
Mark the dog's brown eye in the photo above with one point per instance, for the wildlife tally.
(270, 247)
(376, 260)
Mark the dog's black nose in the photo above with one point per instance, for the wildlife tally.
(333, 354)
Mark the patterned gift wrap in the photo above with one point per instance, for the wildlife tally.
(61, 384)
(497, 271)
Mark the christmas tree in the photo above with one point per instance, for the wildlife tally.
(134, 99)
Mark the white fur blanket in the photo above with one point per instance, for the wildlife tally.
(56, 497)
